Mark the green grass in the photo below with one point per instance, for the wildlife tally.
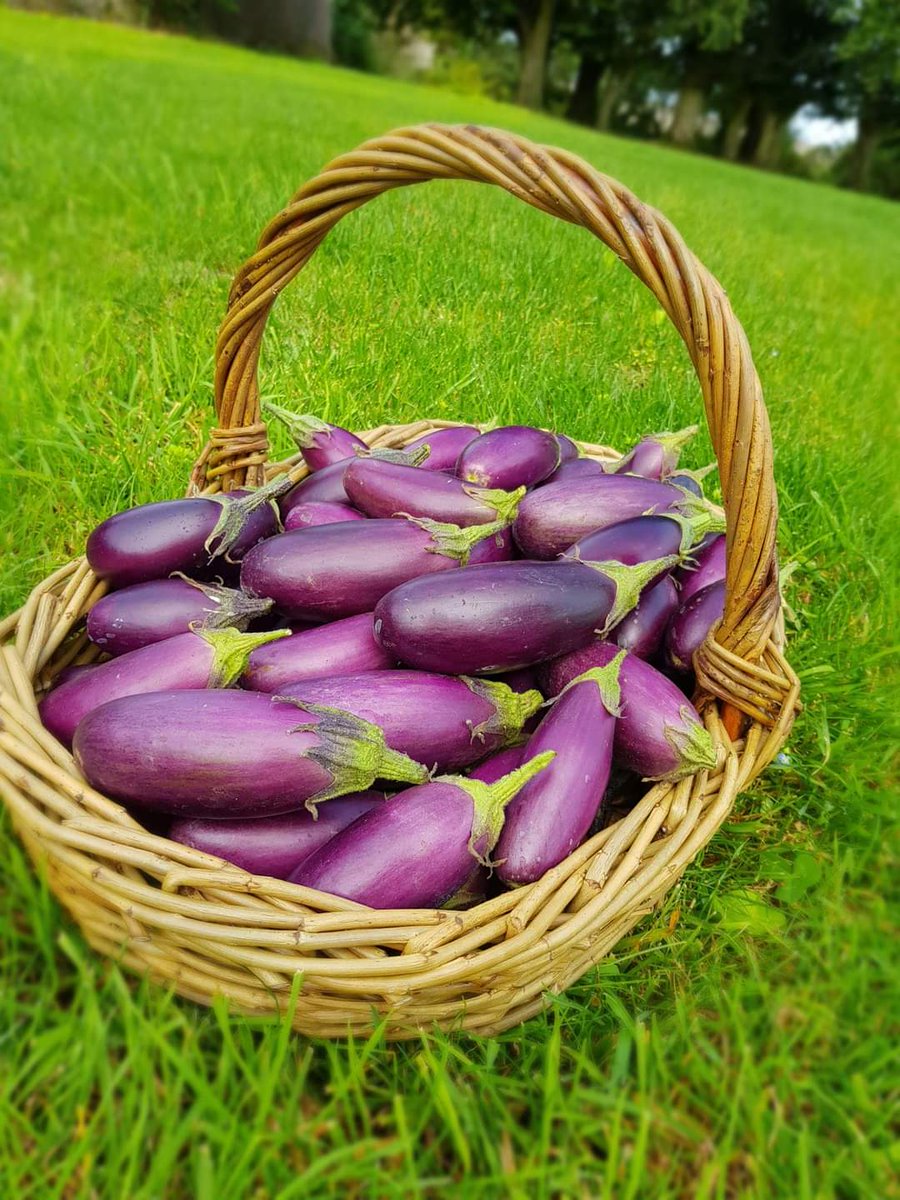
(741, 1044)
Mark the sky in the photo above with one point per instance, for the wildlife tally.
(822, 131)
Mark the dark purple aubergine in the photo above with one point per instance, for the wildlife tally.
(439, 720)
(655, 456)
(659, 733)
(162, 608)
(553, 812)
(387, 489)
(495, 766)
(321, 444)
(319, 512)
(326, 485)
(155, 540)
(213, 658)
(522, 680)
(444, 446)
(554, 517)
(510, 457)
(496, 547)
(577, 468)
(228, 754)
(704, 565)
(273, 846)
(635, 540)
(642, 631)
(333, 571)
(689, 627)
(346, 647)
(568, 450)
(416, 850)
(500, 616)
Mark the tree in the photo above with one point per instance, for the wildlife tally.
(870, 58)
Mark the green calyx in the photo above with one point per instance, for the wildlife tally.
(453, 541)
(511, 709)
(504, 504)
(673, 442)
(231, 650)
(629, 583)
(405, 458)
(353, 752)
(697, 518)
(490, 800)
(234, 608)
(693, 745)
(236, 511)
(302, 427)
(607, 680)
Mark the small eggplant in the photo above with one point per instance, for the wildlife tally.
(655, 456)
(691, 481)
(643, 629)
(321, 444)
(577, 468)
(444, 446)
(495, 766)
(705, 564)
(213, 658)
(568, 450)
(162, 608)
(659, 733)
(552, 813)
(496, 547)
(319, 512)
(690, 625)
(231, 754)
(510, 457)
(327, 484)
(345, 647)
(273, 846)
(387, 489)
(416, 850)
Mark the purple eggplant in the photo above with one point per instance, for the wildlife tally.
(658, 732)
(156, 540)
(162, 608)
(642, 631)
(705, 564)
(345, 647)
(387, 489)
(496, 547)
(444, 446)
(327, 484)
(500, 616)
(338, 570)
(552, 813)
(510, 457)
(655, 456)
(274, 846)
(690, 625)
(568, 450)
(439, 720)
(321, 444)
(213, 658)
(691, 481)
(231, 754)
(495, 766)
(416, 850)
(635, 540)
(522, 680)
(319, 512)
(78, 670)
(577, 468)
(553, 517)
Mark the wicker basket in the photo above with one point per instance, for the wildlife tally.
(206, 928)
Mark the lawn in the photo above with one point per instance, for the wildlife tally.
(740, 1044)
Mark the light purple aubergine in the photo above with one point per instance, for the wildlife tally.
(228, 754)
(643, 629)
(568, 450)
(689, 627)
(444, 445)
(387, 489)
(704, 565)
(212, 658)
(659, 733)
(576, 468)
(553, 812)
(321, 444)
(346, 647)
(333, 571)
(509, 457)
(150, 612)
(325, 485)
(656, 455)
(554, 517)
(417, 849)
(439, 720)
(495, 766)
(305, 515)
(273, 846)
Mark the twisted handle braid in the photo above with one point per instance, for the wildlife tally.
(563, 185)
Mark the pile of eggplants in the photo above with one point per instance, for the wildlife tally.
(412, 679)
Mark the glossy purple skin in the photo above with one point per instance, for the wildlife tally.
(552, 518)
(432, 718)
(545, 823)
(446, 446)
(705, 565)
(219, 753)
(184, 661)
(637, 540)
(493, 618)
(692, 622)
(643, 629)
(496, 547)
(273, 846)
(145, 613)
(510, 457)
(333, 571)
(411, 852)
(326, 484)
(568, 451)
(331, 445)
(306, 514)
(346, 647)
(650, 702)
(498, 765)
(155, 540)
(383, 489)
(648, 459)
(577, 468)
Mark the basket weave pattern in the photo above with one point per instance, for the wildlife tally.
(207, 928)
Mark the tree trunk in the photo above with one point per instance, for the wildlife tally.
(583, 101)
(735, 127)
(767, 148)
(612, 88)
(863, 154)
(535, 24)
(750, 140)
(689, 110)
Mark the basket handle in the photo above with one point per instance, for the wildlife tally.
(563, 185)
